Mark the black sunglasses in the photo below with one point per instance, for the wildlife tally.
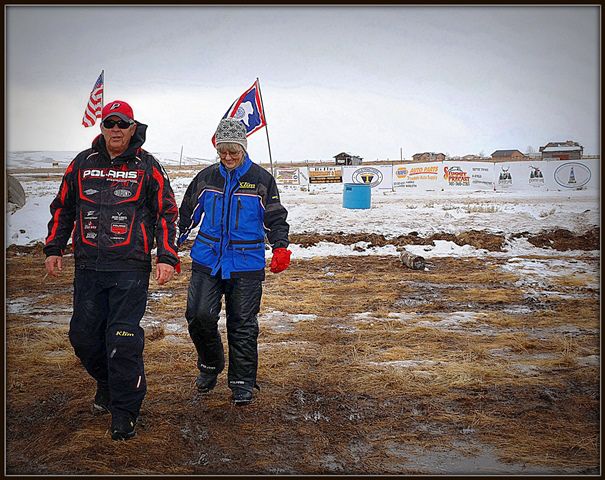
(122, 124)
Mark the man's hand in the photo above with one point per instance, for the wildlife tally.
(163, 273)
(54, 265)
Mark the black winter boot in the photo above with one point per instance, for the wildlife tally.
(122, 428)
(241, 396)
(205, 382)
(101, 401)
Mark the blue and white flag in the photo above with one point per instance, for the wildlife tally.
(248, 109)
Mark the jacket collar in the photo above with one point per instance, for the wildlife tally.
(239, 171)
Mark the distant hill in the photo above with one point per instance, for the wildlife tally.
(46, 159)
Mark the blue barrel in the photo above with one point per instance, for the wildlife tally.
(357, 195)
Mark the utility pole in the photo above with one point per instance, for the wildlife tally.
(401, 153)
(181, 159)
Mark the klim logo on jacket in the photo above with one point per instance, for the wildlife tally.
(108, 173)
(122, 333)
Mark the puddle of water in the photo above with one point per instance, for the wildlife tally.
(544, 333)
(528, 370)
(405, 363)
(17, 306)
(509, 354)
(176, 339)
(283, 322)
(58, 354)
(590, 361)
(292, 344)
(49, 321)
(331, 463)
(453, 462)
(159, 295)
(175, 328)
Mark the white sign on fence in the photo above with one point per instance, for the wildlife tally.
(569, 175)
(287, 176)
(379, 176)
(456, 176)
(420, 176)
(516, 176)
(562, 175)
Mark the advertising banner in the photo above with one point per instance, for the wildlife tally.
(456, 176)
(419, 176)
(482, 175)
(380, 176)
(516, 176)
(569, 175)
(287, 176)
(325, 174)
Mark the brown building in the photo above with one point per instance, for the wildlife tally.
(568, 150)
(508, 156)
(428, 157)
(344, 158)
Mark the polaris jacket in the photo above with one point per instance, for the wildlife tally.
(237, 208)
(116, 210)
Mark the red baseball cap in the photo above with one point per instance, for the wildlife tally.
(119, 108)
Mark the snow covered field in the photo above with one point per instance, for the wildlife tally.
(393, 213)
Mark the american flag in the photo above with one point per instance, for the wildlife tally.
(95, 103)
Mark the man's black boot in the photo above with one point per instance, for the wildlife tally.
(122, 428)
(241, 396)
(101, 401)
(205, 382)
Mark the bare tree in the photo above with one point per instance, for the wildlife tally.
(530, 149)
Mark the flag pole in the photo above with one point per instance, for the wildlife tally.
(266, 123)
(103, 92)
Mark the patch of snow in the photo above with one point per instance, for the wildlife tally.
(405, 363)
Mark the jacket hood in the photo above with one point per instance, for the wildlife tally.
(136, 142)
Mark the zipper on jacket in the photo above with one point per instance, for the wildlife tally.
(205, 242)
(214, 208)
(229, 199)
(225, 198)
(239, 207)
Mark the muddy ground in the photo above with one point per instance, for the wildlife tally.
(366, 367)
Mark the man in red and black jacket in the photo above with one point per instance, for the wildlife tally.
(116, 199)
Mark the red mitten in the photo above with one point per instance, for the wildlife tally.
(280, 260)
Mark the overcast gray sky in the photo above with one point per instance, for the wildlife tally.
(366, 80)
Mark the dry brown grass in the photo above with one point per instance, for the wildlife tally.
(335, 396)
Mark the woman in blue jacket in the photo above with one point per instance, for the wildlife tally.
(238, 205)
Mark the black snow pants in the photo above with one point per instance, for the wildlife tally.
(242, 304)
(106, 336)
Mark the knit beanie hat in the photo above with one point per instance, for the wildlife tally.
(231, 130)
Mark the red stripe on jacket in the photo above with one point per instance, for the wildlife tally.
(62, 195)
(53, 232)
(157, 175)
